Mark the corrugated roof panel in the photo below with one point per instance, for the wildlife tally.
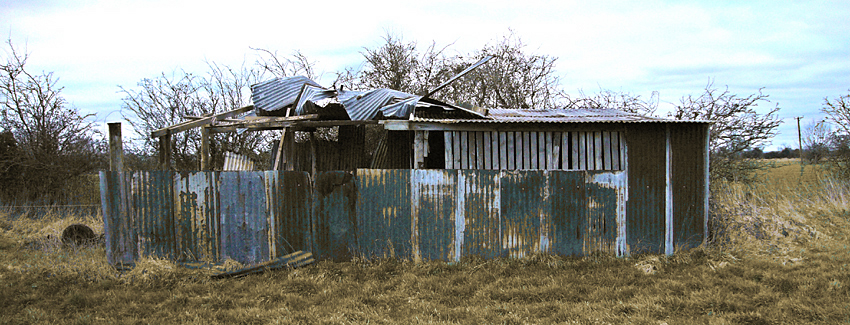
(365, 106)
(299, 92)
(275, 94)
(556, 116)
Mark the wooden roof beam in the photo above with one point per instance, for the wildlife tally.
(180, 127)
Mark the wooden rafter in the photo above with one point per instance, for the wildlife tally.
(206, 120)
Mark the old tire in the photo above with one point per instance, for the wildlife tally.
(78, 234)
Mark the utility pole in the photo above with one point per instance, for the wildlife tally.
(799, 139)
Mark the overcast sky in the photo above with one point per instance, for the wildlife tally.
(798, 52)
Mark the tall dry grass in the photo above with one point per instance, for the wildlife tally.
(783, 217)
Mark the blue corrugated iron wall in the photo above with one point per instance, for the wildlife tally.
(383, 212)
(478, 220)
(418, 214)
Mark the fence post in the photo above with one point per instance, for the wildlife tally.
(165, 152)
(116, 147)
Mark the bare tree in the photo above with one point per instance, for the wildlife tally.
(737, 127)
(513, 79)
(168, 99)
(838, 112)
(816, 141)
(47, 142)
(609, 99)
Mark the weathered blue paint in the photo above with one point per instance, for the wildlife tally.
(521, 206)
(196, 201)
(154, 213)
(479, 213)
(120, 235)
(568, 202)
(253, 217)
(244, 227)
(433, 194)
(383, 212)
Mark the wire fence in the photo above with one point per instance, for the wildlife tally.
(35, 211)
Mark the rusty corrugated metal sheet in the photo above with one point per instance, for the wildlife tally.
(689, 147)
(383, 212)
(235, 162)
(521, 199)
(479, 212)
(244, 225)
(585, 115)
(603, 195)
(196, 216)
(253, 217)
(119, 230)
(334, 216)
(433, 208)
(151, 212)
(568, 203)
(646, 167)
(288, 199)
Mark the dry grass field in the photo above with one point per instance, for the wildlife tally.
(779, 256)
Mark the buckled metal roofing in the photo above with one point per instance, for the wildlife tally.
(306, 96)
(584, 115)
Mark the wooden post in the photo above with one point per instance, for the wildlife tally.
(315, 166)
(280, 147)
(165, 152)
(420, 149)
(116, 148)
(205, 148)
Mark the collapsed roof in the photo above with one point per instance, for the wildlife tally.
(300, 95)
